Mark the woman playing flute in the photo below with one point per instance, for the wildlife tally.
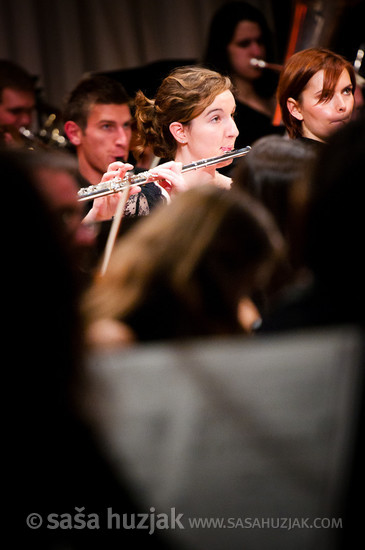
(192, 117)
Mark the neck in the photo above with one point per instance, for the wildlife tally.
(183, 155)
(201, 176)
(204, 175)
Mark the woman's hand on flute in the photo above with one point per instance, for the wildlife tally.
(168, 176)
(104, 207)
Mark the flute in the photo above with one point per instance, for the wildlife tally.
(118, 184)
(261, 64)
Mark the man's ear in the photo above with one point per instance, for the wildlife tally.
(294, 108)
(73, 132)
(178, 131)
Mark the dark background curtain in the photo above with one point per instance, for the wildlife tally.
(59, 41)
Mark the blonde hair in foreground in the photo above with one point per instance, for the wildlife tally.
(206, 250)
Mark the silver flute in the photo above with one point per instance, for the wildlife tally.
(118, 184)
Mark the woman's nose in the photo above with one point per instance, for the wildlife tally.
(257, 49)
(121, 137)
(233, 129)
(340, 103)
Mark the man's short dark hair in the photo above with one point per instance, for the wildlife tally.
(93, 90)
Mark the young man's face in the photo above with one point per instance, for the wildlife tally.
(105, 139)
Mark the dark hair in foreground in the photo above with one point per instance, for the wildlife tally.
(277, 172)
(53, 457)
(336, 223)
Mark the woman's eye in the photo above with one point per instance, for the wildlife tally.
(323, 97)
(244, 43)
(247, 42)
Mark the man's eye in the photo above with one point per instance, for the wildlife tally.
(17, 111)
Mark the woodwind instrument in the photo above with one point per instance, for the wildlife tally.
(118, 184)
(261, 64)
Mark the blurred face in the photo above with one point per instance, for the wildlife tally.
(320, 120)
(16, 108)
(106, 139)
(60, 190)
(214, 131)
(246, 44)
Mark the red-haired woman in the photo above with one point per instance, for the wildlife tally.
(316, 94)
